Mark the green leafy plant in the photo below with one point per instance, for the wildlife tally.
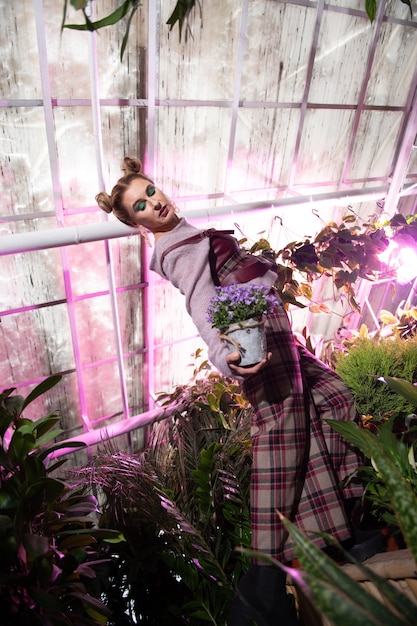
(371, 7)
(342, 253)
(342, 600)
(396, 440)
(236, 303)
(48, 531)
(179, 15)
(330, 588)
(369, 358)
(183, 506)
(128, 8)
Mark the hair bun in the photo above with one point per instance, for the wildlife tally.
(104, 201)
(131, 165)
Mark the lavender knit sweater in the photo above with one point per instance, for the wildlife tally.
(187, 268)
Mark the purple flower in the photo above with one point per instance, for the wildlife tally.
(238, 302)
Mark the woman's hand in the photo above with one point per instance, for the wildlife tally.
(233, 360)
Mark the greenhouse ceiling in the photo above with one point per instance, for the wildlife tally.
(267, 116)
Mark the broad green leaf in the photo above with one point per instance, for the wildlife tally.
(393, 594)
(88, 504)
(6, 419)
(52, 488)
(34, 469)
(408, 3)
(42, 454)
(330, 585)
(371, 7)
(21, 445)
(75, 541)
(40, 389)
(25, 427)
(212, 402)
(35, 545)
(126, 35)
(118, 538)
(109, 20)
(48, 436)
(55, 466)
(14, 405)
(9, 500)
(402, 496)
(403, 387)
(342, 609)
(79, 4)
(355, 434)
(44, 424)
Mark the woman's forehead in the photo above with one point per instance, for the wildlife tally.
(139, 184)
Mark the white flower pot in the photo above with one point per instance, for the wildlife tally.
(248, 338)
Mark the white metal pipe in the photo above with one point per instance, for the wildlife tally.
(66, 236)
(72, 235)
(122, 427)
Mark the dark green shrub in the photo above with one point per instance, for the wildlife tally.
(48, 531)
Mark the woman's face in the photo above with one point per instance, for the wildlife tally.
(149, 207)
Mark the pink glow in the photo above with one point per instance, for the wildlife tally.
(390, 253)
(402, 259)
(407, 270)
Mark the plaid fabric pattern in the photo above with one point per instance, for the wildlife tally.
(230, 265)
(298, 460)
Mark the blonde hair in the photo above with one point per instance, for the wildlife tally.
(113, 203)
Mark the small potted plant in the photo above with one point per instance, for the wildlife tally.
(237, 310)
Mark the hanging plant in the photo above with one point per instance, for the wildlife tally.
(341, 252)
(371, 7)
(180, 14)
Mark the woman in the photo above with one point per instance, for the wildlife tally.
(298, 461)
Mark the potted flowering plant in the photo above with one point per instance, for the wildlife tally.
(237, 310)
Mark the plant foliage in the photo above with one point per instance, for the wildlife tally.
(342, 600)
(180, 15)
(336, 595)
(48, 531)
(183, 506)
(369, 358)
(342, 253)
(391, 450)
(371, 7)
(128, 8)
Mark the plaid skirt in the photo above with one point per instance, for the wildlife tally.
(298, 460)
